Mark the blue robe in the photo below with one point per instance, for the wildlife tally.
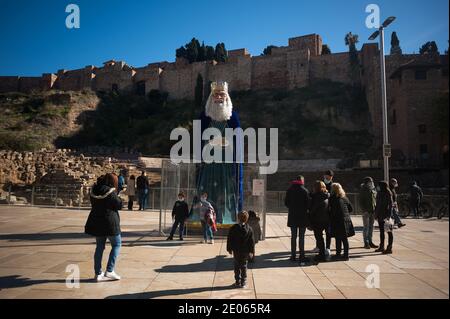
(222, 181)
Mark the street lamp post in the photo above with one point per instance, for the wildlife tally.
(386, 145)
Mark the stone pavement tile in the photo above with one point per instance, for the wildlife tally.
(321, 282)
(412, 264)
(344, 277)
(362, 293)
(333, 265)
(37, 260)
(182, 280)
(10, 257)
(385, 267)
(331, 294)
(269, 281)
(407, 286)
(126, 288)
(438, 279)
(48, 294)
(277, 296)
(312, 270)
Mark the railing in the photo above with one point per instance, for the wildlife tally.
(62, 196)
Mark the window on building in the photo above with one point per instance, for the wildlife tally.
(140, 88)
(423, 149)
(394, 117)
(422, 129)
(421, 75)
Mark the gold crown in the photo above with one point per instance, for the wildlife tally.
(219, 86)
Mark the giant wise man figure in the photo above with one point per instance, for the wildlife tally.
(222, 181)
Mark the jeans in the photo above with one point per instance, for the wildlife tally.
(301, 241)
(142, 194)
(368, 221)
(318, 234)
(240, 267)
(207, 231)
(116, 242)
(390, 234)
(174, 228)
(339, 242)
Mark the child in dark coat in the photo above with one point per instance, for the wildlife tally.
(241, 244)
(180, 213)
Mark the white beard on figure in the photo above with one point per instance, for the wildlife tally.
(219, 112)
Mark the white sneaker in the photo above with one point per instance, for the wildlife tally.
(327, 252)
(112, 275)
(211, 241)
(316, 250)
(204, 241)
(100, 277)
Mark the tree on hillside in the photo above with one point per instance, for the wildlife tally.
(429, 48)
(210, 53)
(199, 91)
(355, 69)
(326, 49)
(221, 54)
(395, 44)
(351, 40)
(268, 49)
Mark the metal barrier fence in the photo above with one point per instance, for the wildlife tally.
(65, 196)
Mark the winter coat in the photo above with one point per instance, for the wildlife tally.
(367, 198)
(142, 182)
(297, 201)
(384, 205)
(180, 210)
(131, 187)
(104, 219)
(341, 225)
(415, 193)
(256, 228)
(240, 239)
(319, 213)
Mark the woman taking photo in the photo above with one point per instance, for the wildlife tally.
(104, 223)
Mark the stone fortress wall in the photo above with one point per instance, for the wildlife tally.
(296, 65)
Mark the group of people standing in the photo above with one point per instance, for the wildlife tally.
(327, 210)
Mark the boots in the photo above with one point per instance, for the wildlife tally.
(380, 249)
(388, 250)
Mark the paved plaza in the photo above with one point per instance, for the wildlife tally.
(37, 245)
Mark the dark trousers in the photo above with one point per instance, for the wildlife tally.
(300, 231)
(382, 236)
(240, 266)
(415, 204)
(318, 234)
(174, 228)
(327, 238)
(130, 202)
(342, 241)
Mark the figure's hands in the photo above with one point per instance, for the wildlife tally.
(251, 255)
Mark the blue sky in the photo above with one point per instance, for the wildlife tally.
(35, 40)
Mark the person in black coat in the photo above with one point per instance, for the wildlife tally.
(241, 244)
(415, 198)
(142, 186)
(341, 222)
(383, 211)
(104, 223)
(180, 213)
(297, 201)
(320, 216)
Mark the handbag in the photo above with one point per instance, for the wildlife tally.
(389, 224)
